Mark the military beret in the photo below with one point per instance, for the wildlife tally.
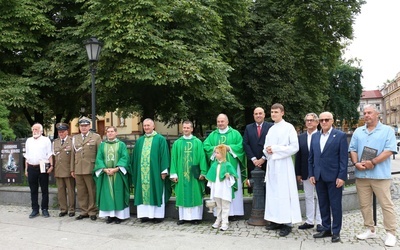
(62, 126)
(84, 121)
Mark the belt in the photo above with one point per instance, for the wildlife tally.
(34, 166)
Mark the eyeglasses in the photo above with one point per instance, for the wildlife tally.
(325, 120)
(310, 120)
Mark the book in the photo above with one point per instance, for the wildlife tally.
(196, 171)
(368, 154)
(44, 166)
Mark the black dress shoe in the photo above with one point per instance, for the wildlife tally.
(322, 234)
(62, 214)
(33, 214)
(143, 220)
(110, 219)
(118, 221)
(72, 214)
(335, 238)
(93, 217)
(80, 217)
(285, 230)
(320, 228)
(306, 226)
(233, 218)
(45, 213)
(157, 220)
(180, 222)
(273, 226)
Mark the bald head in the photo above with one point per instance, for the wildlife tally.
(259, 115)
(222, 121)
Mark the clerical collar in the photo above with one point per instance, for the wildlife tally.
(187, 137)
(223, 131)
(112, 140)
(152, 133)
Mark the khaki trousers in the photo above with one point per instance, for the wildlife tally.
(381, 188)
(66, 194)
(86, 190)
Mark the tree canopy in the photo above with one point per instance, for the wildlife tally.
(172, 59)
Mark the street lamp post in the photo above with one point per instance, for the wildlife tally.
(93, 48)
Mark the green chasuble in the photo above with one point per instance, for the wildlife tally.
(188, 160)
(150, 158)
(112, 192)
(233, 139)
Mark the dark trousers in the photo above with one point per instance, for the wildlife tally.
(35, 178)
(330, 200)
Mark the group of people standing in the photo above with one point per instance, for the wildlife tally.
(104, 172)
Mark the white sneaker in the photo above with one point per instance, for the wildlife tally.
(368, 234)
(390, 240)
(224, 228)
(215, 225)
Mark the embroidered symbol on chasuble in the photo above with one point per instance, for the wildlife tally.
(187, 158)
(145, 170)
(222, 139)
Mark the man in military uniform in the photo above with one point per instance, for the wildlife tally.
(62, 150)
(85, 147)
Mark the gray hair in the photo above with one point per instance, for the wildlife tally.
(314, 115)
(37, 125)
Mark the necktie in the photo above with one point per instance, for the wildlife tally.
(62, 142)
(258, 130)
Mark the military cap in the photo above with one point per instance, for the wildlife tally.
(84, 121)
(62, 126)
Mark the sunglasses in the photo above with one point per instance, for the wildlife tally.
(311, 120)
(325, 120)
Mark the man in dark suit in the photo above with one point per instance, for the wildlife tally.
(327, 169)
(301, 168)
(253, 141)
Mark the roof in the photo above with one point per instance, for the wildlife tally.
(371, 94)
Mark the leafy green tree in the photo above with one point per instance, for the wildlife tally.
(5, 129)
(345, 93)
(159, 57)
(289, 49)
(25, 26)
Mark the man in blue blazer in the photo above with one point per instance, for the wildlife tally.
(253, 141)
(301, 168)
(327, 169)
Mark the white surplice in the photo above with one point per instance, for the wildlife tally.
(281, 198)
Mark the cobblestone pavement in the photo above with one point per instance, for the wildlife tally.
(352, 225)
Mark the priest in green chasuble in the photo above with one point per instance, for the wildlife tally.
(188, 170)
(111, 175)
(150, 163)
(224, 134)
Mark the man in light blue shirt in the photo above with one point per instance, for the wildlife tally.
(373, 174)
